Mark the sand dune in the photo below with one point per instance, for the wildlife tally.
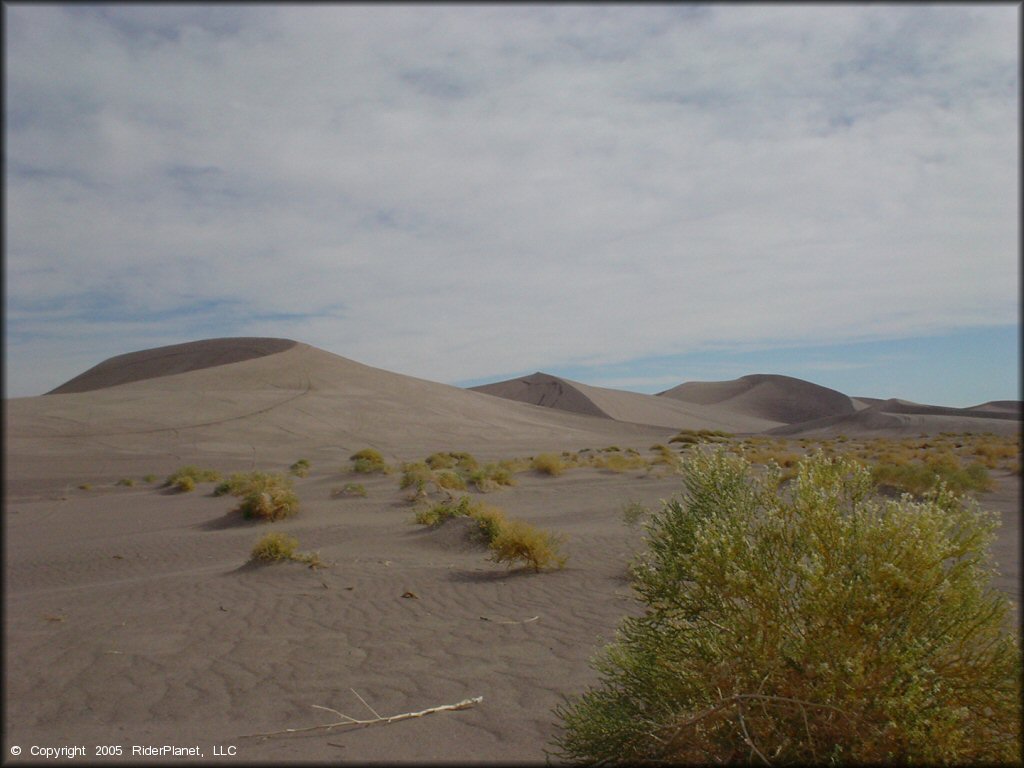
(767, 396)
(902, 417)
(132, 617)
(269, 408)
(166, 361)
(631, 407)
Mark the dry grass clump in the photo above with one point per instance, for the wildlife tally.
(817, 624)
(263, 495)
(518, 541)
(548, 464)
(492, 477)
(449, 480)
(369, 461)
(919, 478)
(619, 462)
(125, 481)
(460, 460)
(185, 478)
(695, 436)
(510, 541)
(633, 512)
(278, 547)
(300, 468)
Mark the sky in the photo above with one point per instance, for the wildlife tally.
(630, 196)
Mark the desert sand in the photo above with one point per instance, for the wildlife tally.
(134, 619)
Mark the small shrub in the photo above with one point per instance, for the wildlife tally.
(548, 464)
(369, 461)
(440, 460)
(449, 480)
(415, 475)
(518, 541)
(264, 495)
(300, 468)
(819, 624)
(85, 486)
(438, 513)
(149, 479)
(491, 521)
(185, 484)
(632, 513)
(270, 504)
(126, 481)
(277, 547)
(273, 548)
(491, 477)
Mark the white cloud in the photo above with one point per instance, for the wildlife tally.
(455, 192)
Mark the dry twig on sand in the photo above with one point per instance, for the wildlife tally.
(346, 720)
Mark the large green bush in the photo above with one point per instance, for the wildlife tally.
(814, 623)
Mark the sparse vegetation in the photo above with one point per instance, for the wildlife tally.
(369, 461)
(349, 489)
(185, 478)
(518, 541)
(491, 477)
(820, 624)
(510, 541)
(548, 464)
(125, 481)
(633, 512)
(278, 547)
(263, 495)
(300, 468)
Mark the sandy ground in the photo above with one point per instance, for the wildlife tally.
(133, 619)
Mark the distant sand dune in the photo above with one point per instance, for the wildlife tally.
(767, 396)
(631, 407)
(133, 618)
(901, 417)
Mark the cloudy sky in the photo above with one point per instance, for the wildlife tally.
(629, 196)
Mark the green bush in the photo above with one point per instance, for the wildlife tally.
(300, 468)
(518, 541)
(815, 624)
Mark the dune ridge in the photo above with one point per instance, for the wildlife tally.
(170, 360)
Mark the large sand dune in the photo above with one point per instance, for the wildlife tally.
(268, 408)
(133, 619)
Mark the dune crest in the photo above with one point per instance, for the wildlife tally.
(170, 360)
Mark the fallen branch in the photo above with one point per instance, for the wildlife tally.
(509, 621)
(348, 721)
